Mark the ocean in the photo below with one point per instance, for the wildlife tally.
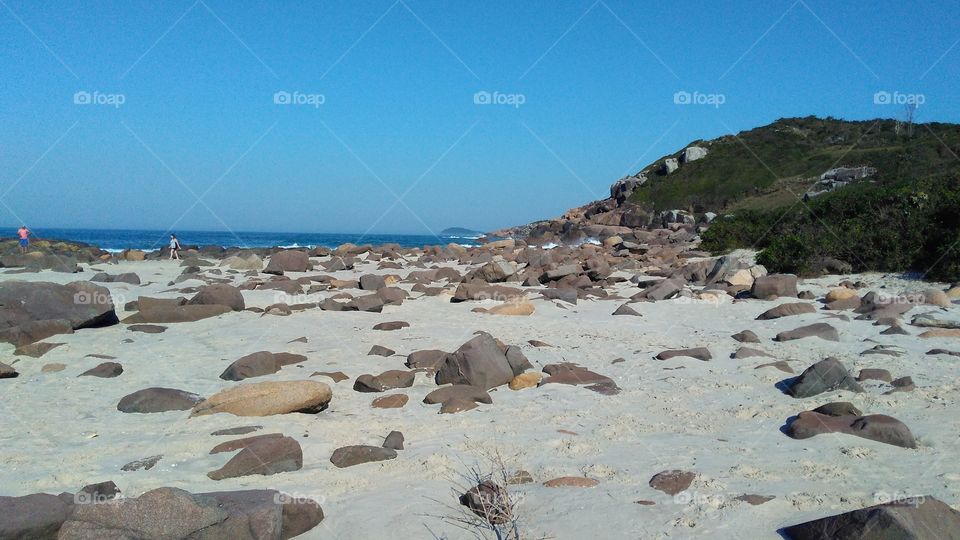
(118, 240)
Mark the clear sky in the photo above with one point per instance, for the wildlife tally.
(144, 114)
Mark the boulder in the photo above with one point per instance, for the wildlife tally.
(268, 398)
(259, 364)
(479, 362)
(625, 309)
(7, 372)
(288, 261)
(838, 408)
(80, 304)
(747, 336)
(263, 455)
(876, 427)
(372, 282)
(482, 291)
(154, 400)
(177, 314)
(909, 519)
(38, 516)
(430, 359)
(516, 308)
(825, 376)
(774, 285)
(378, 350)
(219, 294)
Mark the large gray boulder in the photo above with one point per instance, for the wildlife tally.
(479, 362)
(219, 294)
(288, 261)
(79, 304)
(824, 376)
(915, 518)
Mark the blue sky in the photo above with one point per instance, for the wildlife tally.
(398, 144)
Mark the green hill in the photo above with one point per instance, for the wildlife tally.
(771, 165)
(904, 217)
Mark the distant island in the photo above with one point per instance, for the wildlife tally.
(460, 231)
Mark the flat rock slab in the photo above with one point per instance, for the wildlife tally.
(458, 391)
(142, 464)
(262, 455)
(700, 353)
(625, 309)
(779, 364)
(155, 400)
(787, 310)
(378, 350)
(820, 330)
(267, 398)
(572, 481)
(337, 376)
(838, 408)
(392, 325)
(572, 374)
(36, 350)
(394, 401)
(876, 427)
(916, 518)
(388, 380)
(147, 328)
(456, 405)
(242, 430)
(106, 370)
(748, 352)
(673, 481)
(755, 500)
(747, 336)
(349, 456)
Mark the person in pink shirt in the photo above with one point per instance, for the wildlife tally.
(24, 234)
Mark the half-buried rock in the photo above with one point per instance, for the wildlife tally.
(261, 454)
(672, 482)
(154, 400)
(820, 330)
(349, 456)
(917, 518)
(787, 310)
(876, 427)
(268, 398)
(480, 362)
(106, 370)
(570, 373)
(388, 380)
(163, 314)
(700, 353)
(258, 364)
(824, 376)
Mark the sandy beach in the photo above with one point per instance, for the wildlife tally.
(720, 419)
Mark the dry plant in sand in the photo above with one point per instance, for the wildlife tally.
(487, 507)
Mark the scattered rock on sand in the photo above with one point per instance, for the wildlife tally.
(259, 364)
(916, 518)
(820, 330)
(263, 455)
(144, 464)
(571, 481)
(787, 310)
(35, 350)
(673, 481)
(826, 375)
(876, 427)
(514, 308)
(106, 370)
(388, 380)
(747, 336)
(874, 374)
(378, 350)
(219, 294)
(267, 398)
(36, 516)
(774, 285)
(154, 400)
(392, 325)
(525, 380)
(838, 408)
(572, 374)
(393, 441)
(53, 367)
(489, 501)
(625, 309)
(349, 456)
(456, 405)
(700, 353)
(755, 500)
(479, 362)
(337, 376)
(458, 391)
(7, 372)
(147, 328)
(747, 352)
(243, 430)
(394, 401)
(780, 364)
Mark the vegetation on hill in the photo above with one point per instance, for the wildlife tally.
(765, 166)
(906, 217)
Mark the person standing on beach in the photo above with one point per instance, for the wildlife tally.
(24, 233)
(174, 247)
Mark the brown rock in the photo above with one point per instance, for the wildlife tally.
(267, 398)
(572, 481)
(394, 401)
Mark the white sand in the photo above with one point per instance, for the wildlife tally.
(720, 418)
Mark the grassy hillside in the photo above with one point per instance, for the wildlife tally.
(768, 166)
